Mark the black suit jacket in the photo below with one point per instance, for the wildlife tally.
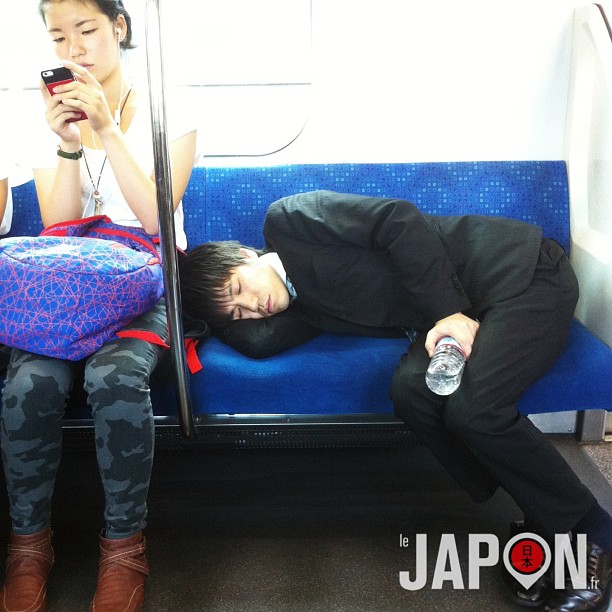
(377, 266)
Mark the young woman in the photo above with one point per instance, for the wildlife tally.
(101, 165)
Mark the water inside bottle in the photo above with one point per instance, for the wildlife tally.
(442, 382)
(445, 370)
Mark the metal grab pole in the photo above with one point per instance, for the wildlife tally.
(163, 182)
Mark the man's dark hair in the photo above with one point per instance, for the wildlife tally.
(204, 277)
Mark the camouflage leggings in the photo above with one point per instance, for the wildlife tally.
(33, 405)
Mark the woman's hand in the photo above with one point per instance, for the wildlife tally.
(458, 326)
(57, 115)
(85, 94)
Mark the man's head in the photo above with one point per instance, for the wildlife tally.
(225, 281)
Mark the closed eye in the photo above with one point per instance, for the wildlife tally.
(233, 291)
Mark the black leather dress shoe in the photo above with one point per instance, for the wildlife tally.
(536, 594)
(533, 597)
(596, 597)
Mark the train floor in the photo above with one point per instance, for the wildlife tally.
(293, 531)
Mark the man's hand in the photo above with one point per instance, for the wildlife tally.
(460, 327)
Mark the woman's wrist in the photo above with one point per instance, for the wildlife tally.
(108, 133)
(70, 147)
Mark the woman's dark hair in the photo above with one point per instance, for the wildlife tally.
(111, 8)
(204, 274)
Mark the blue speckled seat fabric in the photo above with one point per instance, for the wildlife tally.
(230, 203)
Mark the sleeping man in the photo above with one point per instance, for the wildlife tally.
(375, 266)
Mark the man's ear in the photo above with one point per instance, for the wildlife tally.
(248, 253)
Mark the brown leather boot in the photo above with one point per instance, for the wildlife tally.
(121, 576)
(29, 562)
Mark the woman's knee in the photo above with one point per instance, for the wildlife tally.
(120, 369)
(33, 380)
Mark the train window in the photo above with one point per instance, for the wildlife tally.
(241, 66)
(245, 66)
(238, 42)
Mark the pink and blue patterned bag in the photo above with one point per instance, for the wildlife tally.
(68, 291)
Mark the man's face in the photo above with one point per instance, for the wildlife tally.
(255, 290)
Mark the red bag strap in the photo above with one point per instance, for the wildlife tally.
(127, 234)
(80, 226)
(193, 361)
(101, 226)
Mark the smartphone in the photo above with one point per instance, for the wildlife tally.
(60, 76)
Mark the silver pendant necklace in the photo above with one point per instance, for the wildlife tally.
(96, 193)
(98, 203)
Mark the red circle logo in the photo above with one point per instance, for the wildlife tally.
(527, 556)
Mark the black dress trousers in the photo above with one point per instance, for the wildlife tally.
(476, 432)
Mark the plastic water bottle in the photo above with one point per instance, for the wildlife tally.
(446, 367)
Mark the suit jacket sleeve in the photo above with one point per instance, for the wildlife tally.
(395, 227)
